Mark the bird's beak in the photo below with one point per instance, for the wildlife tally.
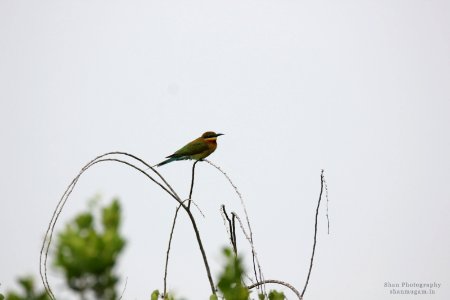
(219, 134)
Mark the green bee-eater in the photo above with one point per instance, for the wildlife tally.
(198, 149)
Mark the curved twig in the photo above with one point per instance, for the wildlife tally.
(250, 235)
(315, 234)
(49, 233)
(51, 225)
(293, 289)
(254, 254)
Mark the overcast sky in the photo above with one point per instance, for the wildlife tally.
(358, 88)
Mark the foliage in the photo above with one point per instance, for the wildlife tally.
(87, 251)
(28, 291)
(231, 283)
(274, 295)
(157, 295)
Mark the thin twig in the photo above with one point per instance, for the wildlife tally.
(254, 255)
(47, 240)
(197, 207)
(124, 288)
(315, 234)
(168, 248)
(173, 226)
(233, 232)
(225, 222)
(231, 226)
(293, 289)
(250, 239)
(326, 196)
(192, 183)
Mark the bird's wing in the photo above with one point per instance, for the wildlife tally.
(194, 147)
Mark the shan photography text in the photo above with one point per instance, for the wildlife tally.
(412, 288)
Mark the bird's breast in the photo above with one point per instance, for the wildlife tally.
(211, 143)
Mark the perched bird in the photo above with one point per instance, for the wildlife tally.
(198, 149)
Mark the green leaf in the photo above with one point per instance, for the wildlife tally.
(230, 282)
(274, 295)
(84, 221)
(27, 284)
(154, 295)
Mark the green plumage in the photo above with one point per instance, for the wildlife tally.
(198, 149)
(194, 147)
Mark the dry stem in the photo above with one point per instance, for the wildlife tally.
(293, 289)
(315, 234)
(249, 236)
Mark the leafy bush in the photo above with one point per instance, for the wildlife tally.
(87, 250)
(87, 255)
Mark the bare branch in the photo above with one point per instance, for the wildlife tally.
(232, 229)
(192, 183)
(168, 248)
(315, 233)
(225, 222)
(293, 289)
(233, 232)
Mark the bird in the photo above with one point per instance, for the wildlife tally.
(197, 149)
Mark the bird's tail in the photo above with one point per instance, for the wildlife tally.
(167, 161)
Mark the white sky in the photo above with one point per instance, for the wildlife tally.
(359, 88)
